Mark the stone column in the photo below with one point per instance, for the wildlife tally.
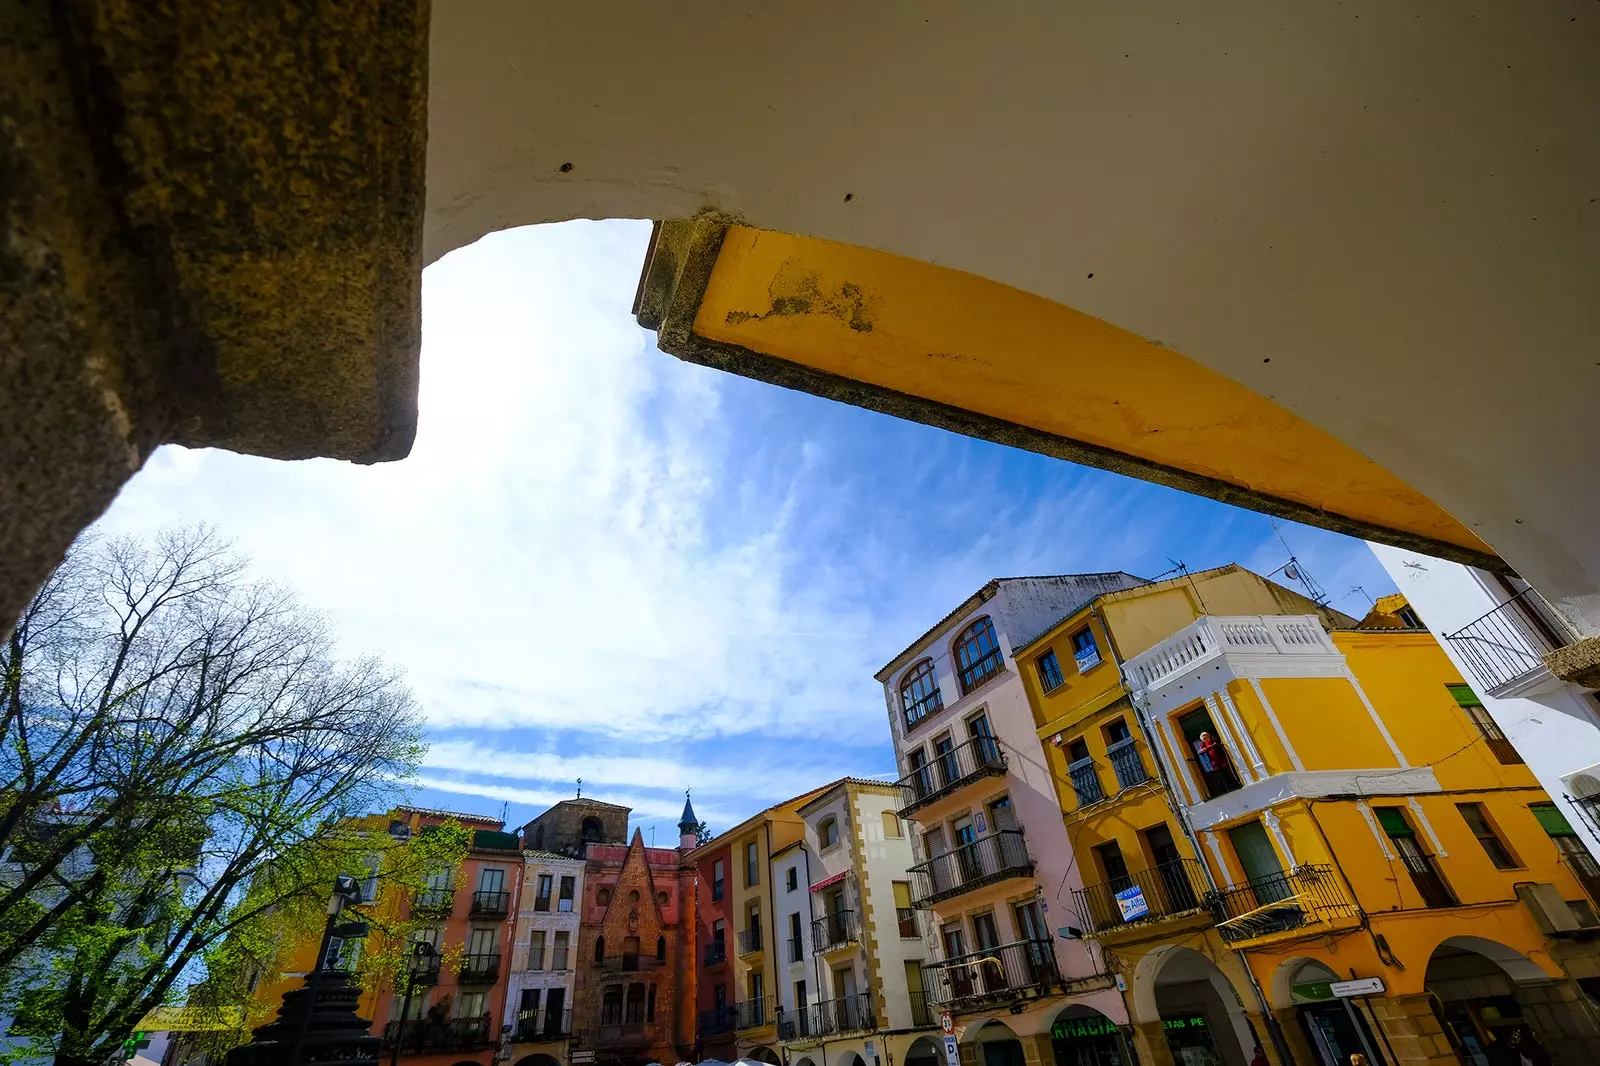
(1561, 1017)
(1294, 1035)
(1413, 1030)
(1150, 1044)
(1037, 1050)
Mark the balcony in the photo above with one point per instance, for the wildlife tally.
(796, 949)
(921, 1010)
(750, 941)
(1210, 637)
(457, 1034)
(435, 901)
(1126, 763)
(1165, 891)
(541, 904)
(1085, 782)
(951, 772)
(992, 975)
(425, 975)
(481, 969)
(839, 929)
(1504, 648)
(717, 1020)
(910, 927)
(754, 1013)
(542, 1025)
(716, 953)
(629, 963)
(988, 860)
(847, 1014)
(490, 904)
(1306, 898)
(618, 1035)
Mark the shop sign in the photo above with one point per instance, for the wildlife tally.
(1082, 1028)
(1363, 986)
(1187, 1021)
(1131, 902)
(1311, 992)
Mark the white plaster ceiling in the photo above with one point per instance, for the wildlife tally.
(1381, 213)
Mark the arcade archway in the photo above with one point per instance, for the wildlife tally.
(1200, 1014)
(1488, 993)
(1082, 1036)
(998, 1044)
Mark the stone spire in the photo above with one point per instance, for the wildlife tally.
(688, 825)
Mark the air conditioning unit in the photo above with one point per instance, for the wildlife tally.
(1550, 910)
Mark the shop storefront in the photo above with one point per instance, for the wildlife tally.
(1191, 1040)
(1334, 1027)
(1082, 1037)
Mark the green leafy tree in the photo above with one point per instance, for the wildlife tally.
(180, 755)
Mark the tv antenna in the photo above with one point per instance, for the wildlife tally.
(1295, 570)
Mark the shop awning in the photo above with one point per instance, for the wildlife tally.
(826, 881)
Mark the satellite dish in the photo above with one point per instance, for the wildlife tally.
(1292, 572)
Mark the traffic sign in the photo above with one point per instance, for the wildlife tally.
(947, 1023)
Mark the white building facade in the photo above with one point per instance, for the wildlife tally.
(539, 991)
(994, 876)
(1495, 629)
(852, 985)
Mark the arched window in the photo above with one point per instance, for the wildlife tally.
(602, 896)
(919, 693)
(828, 831)
(593, 832)
(661, 949)
(977, 654)
(599, 949)
(633, 896)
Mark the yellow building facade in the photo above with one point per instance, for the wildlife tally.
(1267, 804)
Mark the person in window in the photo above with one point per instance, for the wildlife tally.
(1213, 756)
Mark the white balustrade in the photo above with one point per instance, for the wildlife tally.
(1236, 634)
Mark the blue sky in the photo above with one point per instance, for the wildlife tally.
(601, 562)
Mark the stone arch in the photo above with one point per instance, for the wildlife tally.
(968, 1033)
(850, 1058)
(923, 1049)
(540, 1059)
(593, 830)
(1175, 965)
(1078, 1025)
(1517, 966)
(998, 1043)
(1300, 969)
(761, 1053)
(803, 1062)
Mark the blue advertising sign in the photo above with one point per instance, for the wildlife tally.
(1131, 902)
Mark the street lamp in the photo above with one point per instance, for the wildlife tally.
(420, 963)
(346, 890)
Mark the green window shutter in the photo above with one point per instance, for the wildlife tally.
(1464, 695)
(1554, 822)
(1394, 823)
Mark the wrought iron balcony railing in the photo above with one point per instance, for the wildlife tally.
(455, 1034)
(749, 940)
(1508, 642)
(1085, 782)
(1126, 763)
(835, 930)
(847, 1014)
(1307, 897)
(921, 1009)
(1006, 972)
(796, 949)
(543, 1024)
(718, 1020)
(481, 969)
(989, 859)
(910, 927)
(950, 772)
(754, 1013)
(1164, 891)
(491, 904)
(433, 901)
(716, 953)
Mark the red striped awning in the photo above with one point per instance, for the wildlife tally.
(826, 881)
